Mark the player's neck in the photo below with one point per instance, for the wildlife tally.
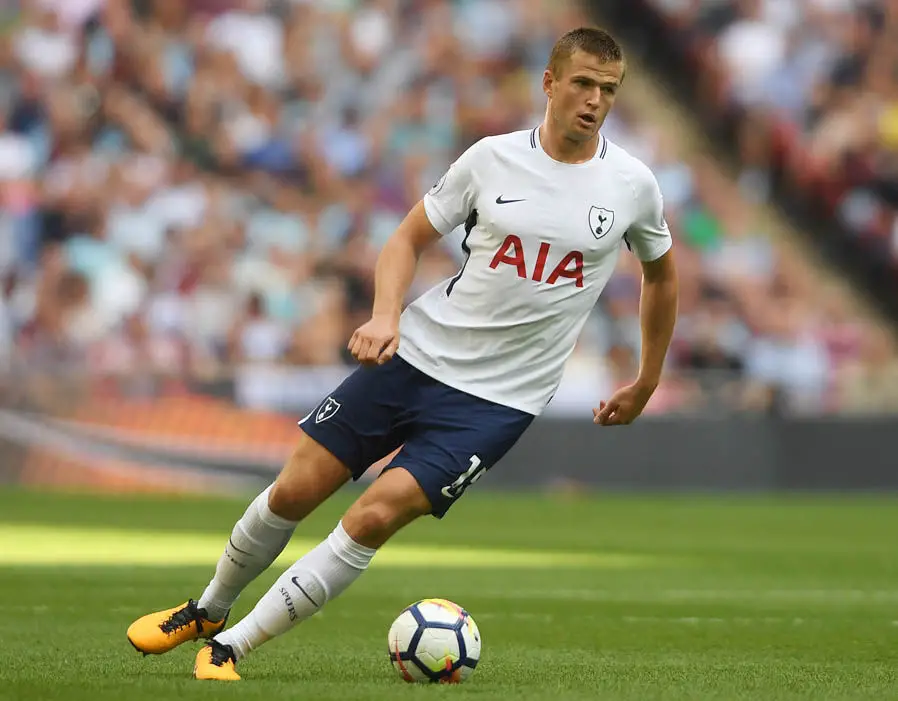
(564, 150)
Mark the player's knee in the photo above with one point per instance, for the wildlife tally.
(373, 524)
(285, 500)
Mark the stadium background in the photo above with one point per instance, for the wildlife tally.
(193, 196)
(194, 193)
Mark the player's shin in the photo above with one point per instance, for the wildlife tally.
(256, 541)
(321, 575)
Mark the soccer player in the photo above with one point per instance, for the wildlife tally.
(457, 377)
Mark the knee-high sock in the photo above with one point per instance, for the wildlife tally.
(256, 541)
(319, 576)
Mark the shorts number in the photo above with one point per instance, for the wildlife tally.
(470, 476)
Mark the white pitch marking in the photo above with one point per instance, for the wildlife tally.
(798, 596)
(715, 620)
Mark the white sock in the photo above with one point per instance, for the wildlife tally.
(321, 575)
(256, 541)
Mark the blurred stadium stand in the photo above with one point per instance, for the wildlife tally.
(803, 96)
(195, 192)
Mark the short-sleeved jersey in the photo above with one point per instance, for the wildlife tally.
(542, 239)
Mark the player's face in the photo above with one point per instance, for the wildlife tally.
(582, 95)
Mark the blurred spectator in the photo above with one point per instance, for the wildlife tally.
(816, 83)
(870, 383)
(200, 189)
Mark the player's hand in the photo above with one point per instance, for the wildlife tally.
(624, 406)
(375, 341)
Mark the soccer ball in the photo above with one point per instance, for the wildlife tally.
(434, 640)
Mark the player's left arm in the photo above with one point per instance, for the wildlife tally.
(657, 317)
(649, 239)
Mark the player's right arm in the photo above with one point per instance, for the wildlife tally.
(445, 207)
(377, 340)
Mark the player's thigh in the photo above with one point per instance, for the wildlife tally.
(356, 425)
(458, 441)
(309, 477)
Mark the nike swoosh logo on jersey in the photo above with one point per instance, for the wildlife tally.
(499, 200)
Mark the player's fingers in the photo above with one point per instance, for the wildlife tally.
(607, 412)
(375, 348)
(356, 348)
(352, 340)
(624, 416)
(363, 348)
(389, 351)
(375, 345)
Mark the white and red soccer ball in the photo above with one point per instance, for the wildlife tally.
(434, 640)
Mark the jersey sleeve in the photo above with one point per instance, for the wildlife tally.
(648, 236)
(450, 201)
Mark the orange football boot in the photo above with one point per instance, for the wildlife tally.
(216, 662)
(162, 631)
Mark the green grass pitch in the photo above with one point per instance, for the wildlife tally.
(643, 598)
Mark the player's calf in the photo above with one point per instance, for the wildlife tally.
(393, 501)
(309, 477)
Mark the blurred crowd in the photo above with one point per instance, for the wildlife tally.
(827, 69)
(818, 80)
(191, 187)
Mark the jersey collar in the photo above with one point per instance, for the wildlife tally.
(537, 146)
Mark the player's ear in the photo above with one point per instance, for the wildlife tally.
(547, 82)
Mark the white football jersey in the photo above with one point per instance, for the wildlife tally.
(542, 239)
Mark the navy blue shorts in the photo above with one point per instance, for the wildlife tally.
(449, 438)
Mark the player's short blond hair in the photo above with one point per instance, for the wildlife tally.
(592, 40)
